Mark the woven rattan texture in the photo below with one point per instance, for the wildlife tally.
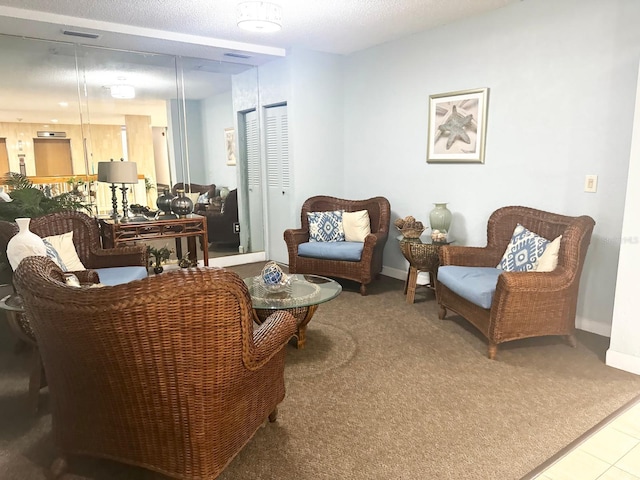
(166, 373)
(370, 264)
(525, 304)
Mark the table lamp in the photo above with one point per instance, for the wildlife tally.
(124, 173)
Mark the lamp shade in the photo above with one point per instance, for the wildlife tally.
(118, 172)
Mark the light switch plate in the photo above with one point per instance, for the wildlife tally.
(591, 183)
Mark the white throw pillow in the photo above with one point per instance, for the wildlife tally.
(549, 259)
(193, 196)
(356, 225)
(66, 251)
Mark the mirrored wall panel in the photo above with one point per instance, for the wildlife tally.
(64, 108)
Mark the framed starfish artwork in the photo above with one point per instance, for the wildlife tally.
(457, 126)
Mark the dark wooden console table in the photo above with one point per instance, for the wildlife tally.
(116, 233)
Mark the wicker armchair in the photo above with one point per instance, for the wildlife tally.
(168, 373)
(370, 264)
(525, 304)
(86, 239)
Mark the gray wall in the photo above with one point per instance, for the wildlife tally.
(562, 77)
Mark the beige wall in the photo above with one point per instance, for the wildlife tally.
(103, 142)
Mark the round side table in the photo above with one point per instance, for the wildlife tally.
(423, 256)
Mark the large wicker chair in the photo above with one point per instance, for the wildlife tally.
(370, 264)
(166, 373)
(525, 304)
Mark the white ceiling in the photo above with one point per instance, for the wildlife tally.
(334, 26)
(203, 29)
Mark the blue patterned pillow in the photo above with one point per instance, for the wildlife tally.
(523, 252)
(53, 254)
(325, 226)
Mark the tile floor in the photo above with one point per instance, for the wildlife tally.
(611, 451)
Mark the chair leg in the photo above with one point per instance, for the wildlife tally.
(35, 380)
(442, 312)
(363, 289)
(571, 340)
(493, 349)
(273, 416)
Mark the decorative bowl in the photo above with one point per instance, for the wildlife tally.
(412, 232)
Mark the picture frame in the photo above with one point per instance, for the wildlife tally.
(230, 145)
(457, 126)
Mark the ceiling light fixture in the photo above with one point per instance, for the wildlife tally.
(122, 91)
(259, 16)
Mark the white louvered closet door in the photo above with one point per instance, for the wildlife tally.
(254, 181)
(278, 180)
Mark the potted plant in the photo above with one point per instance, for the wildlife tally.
(24, 200)
(160, 256)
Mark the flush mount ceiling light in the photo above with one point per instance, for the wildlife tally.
(259, 16)
(122, 91)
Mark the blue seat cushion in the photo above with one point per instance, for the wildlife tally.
(475, 284)
(348, 251)
(118, 275)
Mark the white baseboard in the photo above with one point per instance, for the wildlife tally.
(423, 277)
(623, 361)
(594, 327)
(231, 260)
(394, 273)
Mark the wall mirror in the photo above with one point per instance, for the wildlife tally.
(66, 107)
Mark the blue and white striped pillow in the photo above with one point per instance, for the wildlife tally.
(53, 254)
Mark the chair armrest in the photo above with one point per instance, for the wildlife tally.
(87, 276)
(120, 257)
(469, 256)
(296, 236)
(271, 336)
(538, 282)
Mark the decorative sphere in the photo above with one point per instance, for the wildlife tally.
(272, 274)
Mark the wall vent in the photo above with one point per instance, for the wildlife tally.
(52, 134)
(237, 55)
(73, 33)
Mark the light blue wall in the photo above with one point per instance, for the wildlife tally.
(189, 144)
(217, 114)
(562, 76)
(311, 83)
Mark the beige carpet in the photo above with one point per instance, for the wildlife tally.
(384, 390)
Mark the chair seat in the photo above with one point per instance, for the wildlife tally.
(347, 251)
(475, 284)
(118, 275)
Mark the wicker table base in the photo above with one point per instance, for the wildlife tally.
(302, 314)
(422, 257)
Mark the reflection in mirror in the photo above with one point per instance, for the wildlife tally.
(173, 116)
(40, 124)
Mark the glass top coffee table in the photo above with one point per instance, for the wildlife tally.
(300, 298)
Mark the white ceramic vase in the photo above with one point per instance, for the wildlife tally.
(24, 244)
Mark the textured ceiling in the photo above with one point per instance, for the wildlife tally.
(201, 29)
(334, 26)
